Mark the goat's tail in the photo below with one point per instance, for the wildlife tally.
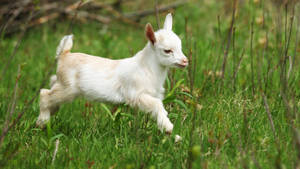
(65, 45)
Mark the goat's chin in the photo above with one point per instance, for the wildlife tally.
(177, 65)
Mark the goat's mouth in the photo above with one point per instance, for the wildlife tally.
(183, 65)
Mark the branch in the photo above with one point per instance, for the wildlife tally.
(269, 114)
(140, 14)
(55, 151)
(157, 14)
(11, 57)
(228, 40)
(235, 72)
(11, 108)
(121, 17)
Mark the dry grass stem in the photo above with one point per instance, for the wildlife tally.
(55, 151)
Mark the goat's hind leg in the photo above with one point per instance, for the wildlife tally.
(44, 108)
(50, 101)
(53, 80)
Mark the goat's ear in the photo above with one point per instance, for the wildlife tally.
(150, 33)
(168, 22)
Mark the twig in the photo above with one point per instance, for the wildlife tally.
(117, 5)
(219, 27)
(55, 151)
(290, 67)
(70, 10)
(141, 14)
(192, 68)
(260, 61)
(219, 41)
(96, 5)
(297, 142)
(11, 57)
(229, 36)
(287, 106)
(194, 64)
(98, 18)
(242, 153)
(296, 134)
(294, 55)
(296, 43)
(233, 54)
(269, 115)
(285, 90)
(190, 160)
(251, 57)
(29, 104)
(44, 19)
(157, 14)
(245, 136)
(51, 11)
(73, 18)
(269, 61)
(192, 72)
(55, 10)
(14, 15)
(287, 42)
(188, 46)
(12, 106)
(237, 68)
(290, 32)
(121, 17)
(255, 161)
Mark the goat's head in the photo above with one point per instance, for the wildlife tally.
(166, 45)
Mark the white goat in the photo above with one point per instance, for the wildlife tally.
(137, 81)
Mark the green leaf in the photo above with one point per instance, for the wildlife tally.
(44, 141)
(173, 115)
(107, 111)
(180, 103)
(186, 94)
(169, 99)
(171, 93)
(127, 115)
(56, 137)
(49, 129)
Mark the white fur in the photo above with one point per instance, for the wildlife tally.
(168, 22)
(65, 45)
(177, 138)
(137, 81)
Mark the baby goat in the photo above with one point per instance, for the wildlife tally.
(137, 81)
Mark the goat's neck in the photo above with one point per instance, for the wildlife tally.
(153, 65)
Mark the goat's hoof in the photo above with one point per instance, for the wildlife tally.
(41, 122)
(169, 128)
(177, 138)
(169, 132)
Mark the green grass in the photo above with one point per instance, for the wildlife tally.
(232, 129)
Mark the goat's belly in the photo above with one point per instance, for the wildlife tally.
(103, 97)
(100, 87)
(101, 93)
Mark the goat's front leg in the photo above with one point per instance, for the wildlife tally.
(154, 105)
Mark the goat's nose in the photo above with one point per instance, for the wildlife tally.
(185, 61)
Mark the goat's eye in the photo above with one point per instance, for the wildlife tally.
(168, 51)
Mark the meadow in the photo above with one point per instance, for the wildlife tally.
(235, 106)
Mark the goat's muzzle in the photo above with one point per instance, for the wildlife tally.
(184, 63)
